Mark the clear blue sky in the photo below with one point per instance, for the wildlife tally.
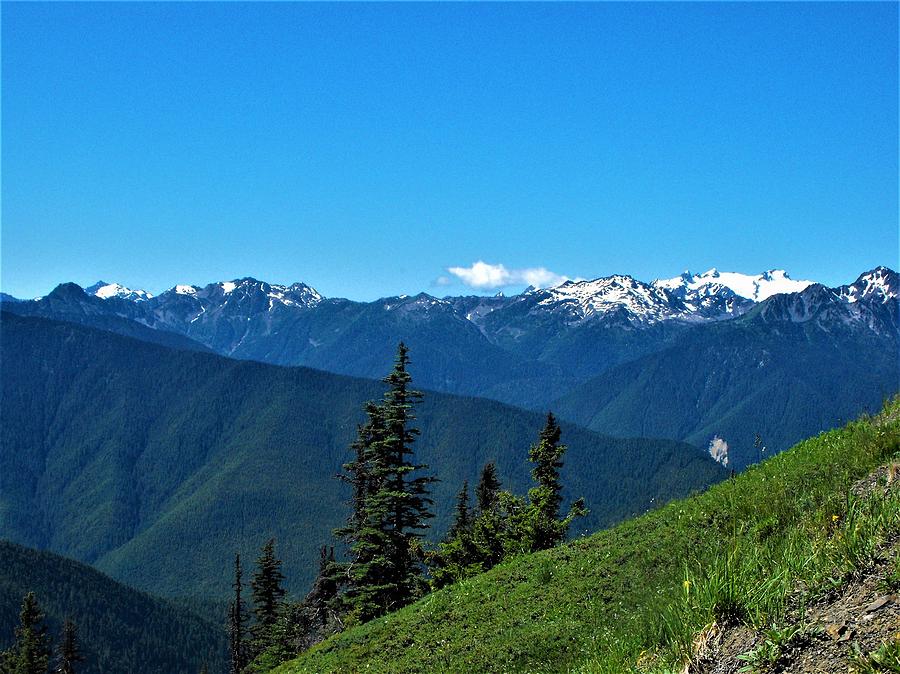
(365, 149)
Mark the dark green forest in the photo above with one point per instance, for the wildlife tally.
(123, 451)
(119, 628)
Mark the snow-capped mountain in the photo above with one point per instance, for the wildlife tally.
(105, 291)
(756, 288)
(619, 295)
(879, 285)
(524, 349)
(712, 295)
(250, 293)
(870, 302)
(622, 299)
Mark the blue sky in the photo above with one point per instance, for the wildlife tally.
(366, 149)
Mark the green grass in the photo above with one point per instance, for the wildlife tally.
(641, 592)
(886, 658)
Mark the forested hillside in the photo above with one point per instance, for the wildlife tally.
(758, 388)
(157, 465)
(119, 628)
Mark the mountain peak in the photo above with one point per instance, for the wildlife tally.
(880, 283)
(105, 291)
(66, 291)
(752, 287)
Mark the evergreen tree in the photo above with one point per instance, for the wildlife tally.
(488, 488)
(505, 524)
(69, 653)
(547, 530)
(390, 504)
(366, 532)
(237, 620)
(30, 654)
(324, 588)
(267, 594)
(403, 498)
(462, 521)
(304, 624)
(358, 473)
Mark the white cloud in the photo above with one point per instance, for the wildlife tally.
(442, 281)
(486, 276)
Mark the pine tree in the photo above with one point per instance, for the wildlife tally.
(547, 530)
(366, 531)
(30, 654)
(488, 488)
(237, 620)
(267, 595)
(405, 498)
(462, 521)
(324, 588)
(68, 654)
(390, 505)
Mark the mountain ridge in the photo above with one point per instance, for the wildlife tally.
(128, 448)
(527, 350)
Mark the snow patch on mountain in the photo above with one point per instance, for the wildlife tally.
(756, 288)
(585, 299)
(105, 291)
(880, 285)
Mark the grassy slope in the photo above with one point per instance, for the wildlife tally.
(156, 465)
(595, 604)
(120, 629)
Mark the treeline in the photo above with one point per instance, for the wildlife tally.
(387, 565)
(32, 651)
(118, 626)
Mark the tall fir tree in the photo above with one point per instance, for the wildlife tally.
(301, 625)
(365, 532)
(69, 653)
(391, 505)
(488, 488)
(547, 530)
(462, 519)
(237, 620)
(404, 496)
(324, 588)
(267, 594)
(30, 654)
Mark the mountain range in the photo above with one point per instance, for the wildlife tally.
(593, 349)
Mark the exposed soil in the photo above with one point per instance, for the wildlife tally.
(859, 617)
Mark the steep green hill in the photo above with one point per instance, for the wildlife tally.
(641, 590)
(738, 380)
(120, 629)
(155, 465)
